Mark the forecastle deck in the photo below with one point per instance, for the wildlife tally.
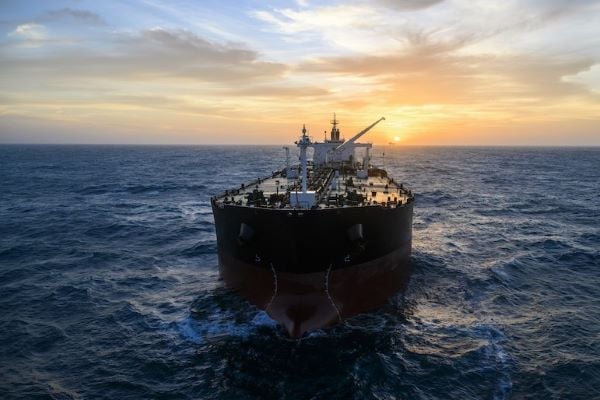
(330, 186)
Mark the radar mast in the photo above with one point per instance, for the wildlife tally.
(335, 132)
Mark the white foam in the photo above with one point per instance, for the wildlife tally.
(262, 318)
(188, 331)
(220, 324)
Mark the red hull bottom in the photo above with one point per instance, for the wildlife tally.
(303, 302)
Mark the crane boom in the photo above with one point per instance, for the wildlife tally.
(358, 135)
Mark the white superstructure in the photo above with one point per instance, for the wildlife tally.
(334, 179)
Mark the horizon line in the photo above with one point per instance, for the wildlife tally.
(291, 144)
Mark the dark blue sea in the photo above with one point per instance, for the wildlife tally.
(109, 285)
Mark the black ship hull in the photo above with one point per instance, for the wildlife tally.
(312, 268)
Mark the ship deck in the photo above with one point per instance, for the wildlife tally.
(333, 188)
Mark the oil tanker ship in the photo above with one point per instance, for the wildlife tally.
(317, 241)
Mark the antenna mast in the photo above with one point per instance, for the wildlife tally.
(335, 132)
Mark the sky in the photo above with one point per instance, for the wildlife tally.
(442, 72)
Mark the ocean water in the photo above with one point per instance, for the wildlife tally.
(109, 286)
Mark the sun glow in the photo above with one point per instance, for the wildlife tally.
(82, 76)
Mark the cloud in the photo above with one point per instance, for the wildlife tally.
(178, 53)
(291, 21)
(82, 16)
(552, 9)
(408, 5)
(350, 27)
(590, 78)
(148, 55)
(29, 31)
(174, 73)
(281, 91)
(423, 52)
(431, 70)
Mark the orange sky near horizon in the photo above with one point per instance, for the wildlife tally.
(441, 72)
